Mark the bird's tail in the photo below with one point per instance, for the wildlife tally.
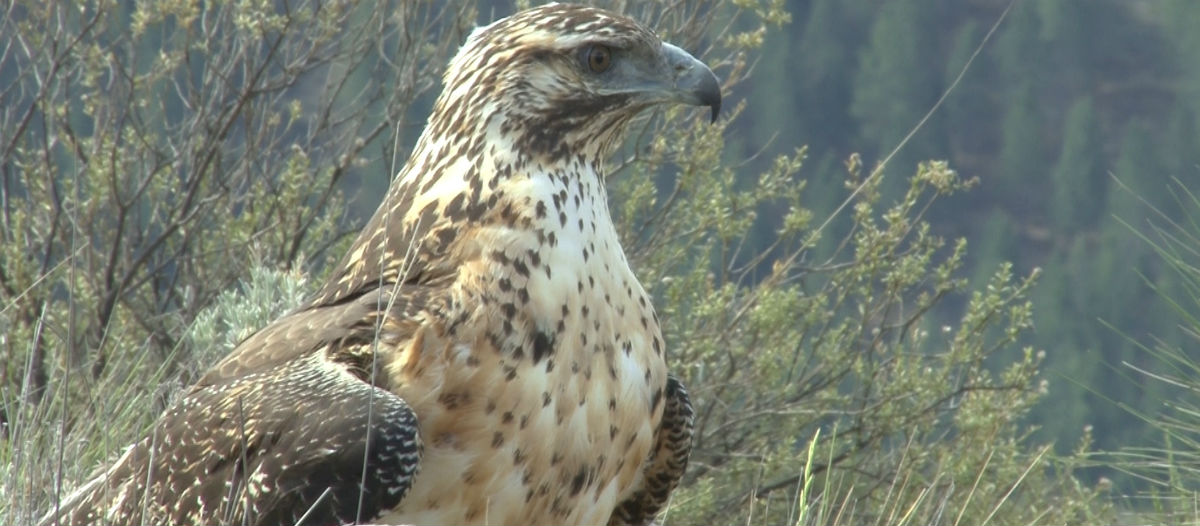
(82, 505)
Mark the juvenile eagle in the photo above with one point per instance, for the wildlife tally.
(483, 353)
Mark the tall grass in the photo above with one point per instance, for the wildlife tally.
(1170, 469)
(50, 447)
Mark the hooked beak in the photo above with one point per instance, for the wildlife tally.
(693, 82)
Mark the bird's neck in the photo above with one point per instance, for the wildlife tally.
(501, 175)
(552, 253)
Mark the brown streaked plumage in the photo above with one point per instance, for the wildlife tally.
(483, 350)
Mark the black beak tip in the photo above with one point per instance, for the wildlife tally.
(710, 95)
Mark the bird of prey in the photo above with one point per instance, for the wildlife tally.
(483, 353)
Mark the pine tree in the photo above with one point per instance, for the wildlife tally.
(1079, 182)
(1017, 42)
(1065, 31)
(893, 86)
(1143, 178)
(823, 88)
(996, 244)
(774, 112)
(1181, 148)
(969, 110)
(1021, 180)
(1180, 18)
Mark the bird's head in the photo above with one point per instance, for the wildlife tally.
(544, 94)
(565, 79)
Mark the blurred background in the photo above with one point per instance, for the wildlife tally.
(1078, 117)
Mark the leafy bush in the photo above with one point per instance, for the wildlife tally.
(784, 345)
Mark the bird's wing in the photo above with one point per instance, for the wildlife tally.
(272, 449)
(287, 427)
(343, 330)
(667, 462)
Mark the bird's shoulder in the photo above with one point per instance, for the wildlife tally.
(344, 332)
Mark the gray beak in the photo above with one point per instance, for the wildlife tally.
(695, 83)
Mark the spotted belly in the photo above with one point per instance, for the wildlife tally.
(523, 442)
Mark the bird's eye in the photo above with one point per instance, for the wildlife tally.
(598, 58)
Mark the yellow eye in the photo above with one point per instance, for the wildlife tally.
(598, 57)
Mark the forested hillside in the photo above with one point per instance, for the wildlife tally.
(1073, 113)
